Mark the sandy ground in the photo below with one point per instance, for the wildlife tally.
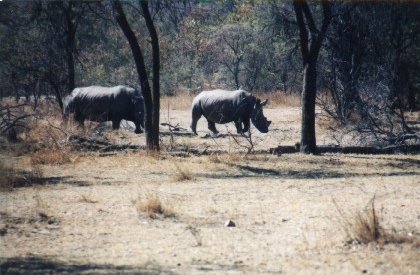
(284, 130)
(83, 216)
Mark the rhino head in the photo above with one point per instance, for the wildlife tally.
(258, 118)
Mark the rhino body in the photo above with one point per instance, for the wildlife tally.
(101, 104)
(221, 106)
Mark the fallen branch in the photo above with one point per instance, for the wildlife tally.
(173, 128)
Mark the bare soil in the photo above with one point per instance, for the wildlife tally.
(83, 216)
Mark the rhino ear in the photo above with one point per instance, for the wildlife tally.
(264, 103)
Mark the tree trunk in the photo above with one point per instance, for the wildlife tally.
(71, 39)
(156, 74)
(310, 47)
(141, 71)
(308, 136)
(411, 98)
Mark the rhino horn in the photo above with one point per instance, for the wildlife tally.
(264, 103)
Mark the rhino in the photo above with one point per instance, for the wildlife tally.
(102, 104)
(221, 106)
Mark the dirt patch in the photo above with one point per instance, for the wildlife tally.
(282, 207)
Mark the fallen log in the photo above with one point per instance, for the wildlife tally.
(177, 133)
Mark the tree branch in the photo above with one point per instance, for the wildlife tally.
(302, 30)
(309, 19)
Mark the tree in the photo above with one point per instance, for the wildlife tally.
(152, 104)
(156, 71)
(63, 18)
(39, 47)
(310, 47)
(230, 47)
(346, 51)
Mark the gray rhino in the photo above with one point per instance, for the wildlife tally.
(220, 106)
(106, 104)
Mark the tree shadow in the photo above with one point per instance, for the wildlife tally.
(28, 179)
(400, 160)
(247, 171)
(37, 265)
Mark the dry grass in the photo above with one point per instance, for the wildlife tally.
(154, 208)
(182, 172)
(45, 130)
(51, 157)
(228, 158)
(280, 99)
(181, 101)
(365, 227)
(196, 233)
(41, 208)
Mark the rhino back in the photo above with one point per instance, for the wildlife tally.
(221, 106)
(103, 103)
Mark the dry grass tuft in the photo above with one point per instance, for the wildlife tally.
(365, 227)
(227, 158)
(154, 208)
(214, 158)
(182, 173)
(42, 212)
(51, 157)
(196, 233)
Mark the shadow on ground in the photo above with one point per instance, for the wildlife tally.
(247, 171)
(27, 179)
(35, 265)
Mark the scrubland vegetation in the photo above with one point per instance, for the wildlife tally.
(127, 210)
(91, 199)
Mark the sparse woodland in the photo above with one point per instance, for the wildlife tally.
(343, 87)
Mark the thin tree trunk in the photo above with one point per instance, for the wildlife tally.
(411, 98)
(141, 71)
(308, 136)
(156, 74)
(310, 47)
(71, 39)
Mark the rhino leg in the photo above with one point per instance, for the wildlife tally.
(212, 127)
(246, 125)
(116, 124)
(78, 117)
(194, 125)
(138, 129)
(238, 125)
(196, 114)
